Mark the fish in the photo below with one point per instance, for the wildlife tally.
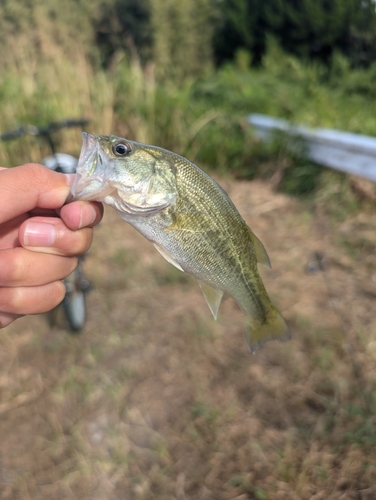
(188, 217)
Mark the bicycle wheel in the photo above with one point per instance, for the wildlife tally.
(75, 309)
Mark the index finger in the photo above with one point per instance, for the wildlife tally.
(30, 186)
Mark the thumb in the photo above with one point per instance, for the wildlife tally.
(30, 186)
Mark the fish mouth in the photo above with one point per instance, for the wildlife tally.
(90, 180)
(95, 181)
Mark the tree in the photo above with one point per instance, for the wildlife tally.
(242, 25)
(307, 28)
(124, 25)
(316, 28)
(182, 37)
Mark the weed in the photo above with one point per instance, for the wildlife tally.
(201, 410)
(237, 481)
(260, 494)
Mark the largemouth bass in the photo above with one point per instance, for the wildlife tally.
(190, 220)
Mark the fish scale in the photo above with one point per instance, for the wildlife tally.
(189, 218)
(232, 253)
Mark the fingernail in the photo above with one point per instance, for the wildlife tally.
(87, 216)
(69, 178)
(38, 234)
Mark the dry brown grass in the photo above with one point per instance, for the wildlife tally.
(155, 400)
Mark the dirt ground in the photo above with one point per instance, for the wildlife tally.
(156, 400)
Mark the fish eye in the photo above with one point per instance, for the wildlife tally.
(121, 149)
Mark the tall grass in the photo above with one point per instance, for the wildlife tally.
(204, 119)
(38, 88)
(126, 100)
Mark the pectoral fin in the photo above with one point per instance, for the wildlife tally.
(168, 257)
(213, 297)
(261, 255)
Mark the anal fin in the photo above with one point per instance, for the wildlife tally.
(213, 297)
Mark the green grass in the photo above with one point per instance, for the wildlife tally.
(203, 119)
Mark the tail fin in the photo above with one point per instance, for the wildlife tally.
(258, 332)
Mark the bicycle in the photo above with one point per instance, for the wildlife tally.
(76, 284)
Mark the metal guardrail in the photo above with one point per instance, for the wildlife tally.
(350, 153)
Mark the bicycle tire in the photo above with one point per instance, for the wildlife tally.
(74, 305)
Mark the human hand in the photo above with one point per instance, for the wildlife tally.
(40, 238)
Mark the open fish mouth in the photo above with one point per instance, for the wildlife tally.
(95, 181)
(90, 182)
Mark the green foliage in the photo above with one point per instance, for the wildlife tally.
(182, 37)
(54, 71)
(242, 25)
(124, 25)
(301, 178)
(36, 27)
(311, 29)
